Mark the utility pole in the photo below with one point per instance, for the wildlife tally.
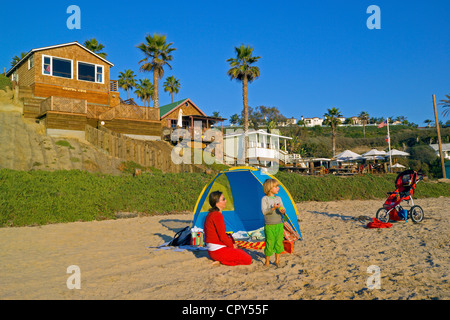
(389, 142)
(439, 138)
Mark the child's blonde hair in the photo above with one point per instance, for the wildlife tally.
(269, 184)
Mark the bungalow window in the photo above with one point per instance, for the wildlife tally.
(47, 66)
(57, 67)
(31, 62)
(90, 72)
(99, 74)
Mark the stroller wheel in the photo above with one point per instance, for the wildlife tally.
(416, 214)
(383, 215)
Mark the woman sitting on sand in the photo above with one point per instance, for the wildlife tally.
(220, 246)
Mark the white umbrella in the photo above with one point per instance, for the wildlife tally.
(395, 152)
(373, 153)
(398, 165)
(348, 155)
(180, 118)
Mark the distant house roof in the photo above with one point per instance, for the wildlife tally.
(445, 147)
(10, 71)
(168, 108)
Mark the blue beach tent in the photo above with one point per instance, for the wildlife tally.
(246, 185)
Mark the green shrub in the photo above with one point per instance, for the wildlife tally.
(4, 82)
(64, 143)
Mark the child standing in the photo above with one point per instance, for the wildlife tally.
(273, 209)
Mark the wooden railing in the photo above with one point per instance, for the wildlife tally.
(61, 104)
(128, 101)
(126, 111)
(114, 85)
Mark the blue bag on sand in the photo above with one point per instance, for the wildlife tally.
(403, 214)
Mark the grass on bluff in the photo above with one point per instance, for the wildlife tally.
(41, 197)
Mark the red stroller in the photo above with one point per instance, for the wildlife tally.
(405, 183)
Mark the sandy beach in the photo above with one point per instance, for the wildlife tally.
(331, 262)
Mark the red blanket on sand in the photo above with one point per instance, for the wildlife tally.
(375, 223)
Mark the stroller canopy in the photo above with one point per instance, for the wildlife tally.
(406, 180)
(246, 184)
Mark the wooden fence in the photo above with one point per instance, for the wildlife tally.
(155, 154)
(61, 104)
(127, 111)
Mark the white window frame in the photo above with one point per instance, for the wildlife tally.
(51, 66)
(95, 65)
(30, 59)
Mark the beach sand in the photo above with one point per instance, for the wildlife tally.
(330, 263)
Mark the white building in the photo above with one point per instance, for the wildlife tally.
(445, 150)
(291, 121)
(312, 122)
(263, 147)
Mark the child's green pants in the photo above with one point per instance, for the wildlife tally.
(274, 239)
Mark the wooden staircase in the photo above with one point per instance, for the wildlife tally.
(31, 104)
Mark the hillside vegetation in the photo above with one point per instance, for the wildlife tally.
(42, 197)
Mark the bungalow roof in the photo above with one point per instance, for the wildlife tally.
(168, 108)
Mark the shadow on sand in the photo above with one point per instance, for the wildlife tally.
(363, 219)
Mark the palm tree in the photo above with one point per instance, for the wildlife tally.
(445, 103)
(242, 70)
(234, 119)
(157, 54)
(364, 117)
(144, 90)
(272, 124)
(402, 119)
(16, 59)
(332, 120)
(427, 122)
(95, 47)
(172, 85)
(294, 144)
(127, 80)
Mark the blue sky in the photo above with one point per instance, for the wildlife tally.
(315, 55)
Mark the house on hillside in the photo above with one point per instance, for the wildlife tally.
(356, 121)
(312, 122)
(263, 147)
(289, 122)
(445, 150)
(189, 114)
(67, 86)
(67, 70)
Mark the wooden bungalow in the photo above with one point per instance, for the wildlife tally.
(67, 86)
(189, 113)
